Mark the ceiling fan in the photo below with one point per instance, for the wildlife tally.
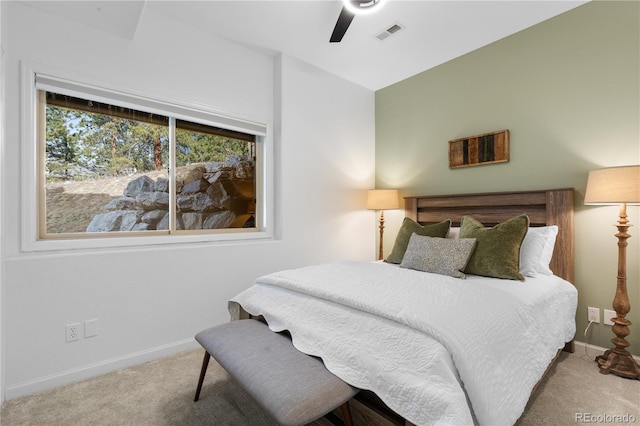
(350, 9)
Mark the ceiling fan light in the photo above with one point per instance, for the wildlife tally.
(361, 7)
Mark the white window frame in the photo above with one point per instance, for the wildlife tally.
(38, 77)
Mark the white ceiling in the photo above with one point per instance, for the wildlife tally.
(434, 31)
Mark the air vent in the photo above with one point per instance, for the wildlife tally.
(393, 29)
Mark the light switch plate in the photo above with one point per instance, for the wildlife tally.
(608, 314)
(91, 328)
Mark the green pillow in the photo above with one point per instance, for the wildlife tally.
(497, 252)
(409, 227)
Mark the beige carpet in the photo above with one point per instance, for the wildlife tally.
(574, 391)
(161, 393)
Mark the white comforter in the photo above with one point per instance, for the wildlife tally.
(424, 343)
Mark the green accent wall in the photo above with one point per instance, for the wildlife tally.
(568, 90)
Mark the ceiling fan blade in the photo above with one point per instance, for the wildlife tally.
(344, 20)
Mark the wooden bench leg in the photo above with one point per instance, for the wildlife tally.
(203, 371)
(346, 414)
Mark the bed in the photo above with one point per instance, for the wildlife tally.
(435, 348)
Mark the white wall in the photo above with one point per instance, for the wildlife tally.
(2, 126)
(151, 301)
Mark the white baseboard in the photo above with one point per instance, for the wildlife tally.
(597, 350)
(96, 369)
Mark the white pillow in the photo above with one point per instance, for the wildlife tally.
(537, 249)
(454, 233)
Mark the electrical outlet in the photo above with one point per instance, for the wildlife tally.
(594, 314)
(73, 332)
(608, 314)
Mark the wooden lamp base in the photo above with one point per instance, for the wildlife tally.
(618, 360)
(620, 363)
(381, 227)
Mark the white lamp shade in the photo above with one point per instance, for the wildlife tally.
(613, 185)
(383, 199)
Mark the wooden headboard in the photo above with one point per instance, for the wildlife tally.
(544, 207)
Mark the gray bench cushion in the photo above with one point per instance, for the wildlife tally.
(293, 387)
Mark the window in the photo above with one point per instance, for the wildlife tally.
(113, 166)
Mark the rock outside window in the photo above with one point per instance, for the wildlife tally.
(111, 169)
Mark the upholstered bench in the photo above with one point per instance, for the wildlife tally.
(294, 388)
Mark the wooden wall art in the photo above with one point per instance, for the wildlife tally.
(489, 148)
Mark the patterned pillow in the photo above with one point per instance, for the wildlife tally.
(442, 256)
(407, 229)
(497, 252)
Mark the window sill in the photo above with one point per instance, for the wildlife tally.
(164, 241)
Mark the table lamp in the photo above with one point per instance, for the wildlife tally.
(382, 199)
(617, 185)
